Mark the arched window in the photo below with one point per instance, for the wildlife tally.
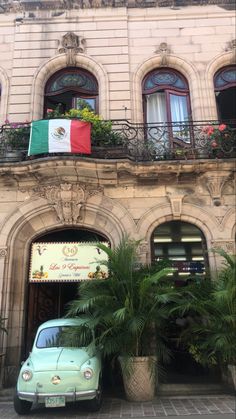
(166, 96)
(166, 101)
(225, 91)
(71, 88)
(184, 245)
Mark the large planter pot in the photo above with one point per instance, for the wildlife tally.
(139, 378)
(232, 375)
(13, 156)
(229, 376)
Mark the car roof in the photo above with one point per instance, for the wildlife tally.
(60, 322)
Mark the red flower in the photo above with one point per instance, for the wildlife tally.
(210, 131)
(222, 127)
(214, 144)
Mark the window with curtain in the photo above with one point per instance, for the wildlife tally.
(225, 92)
(166, 102)
(71, 88)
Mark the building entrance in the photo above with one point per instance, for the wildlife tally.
(49, 300)
(183, 245)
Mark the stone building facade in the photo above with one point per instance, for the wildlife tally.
(119, 43)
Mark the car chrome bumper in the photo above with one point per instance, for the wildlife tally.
(71, 396)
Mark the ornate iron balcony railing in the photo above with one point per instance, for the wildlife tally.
(139, 142)
(58, 5)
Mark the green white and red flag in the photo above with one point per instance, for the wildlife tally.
(60, 136)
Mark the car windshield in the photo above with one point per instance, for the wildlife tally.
(57, 336)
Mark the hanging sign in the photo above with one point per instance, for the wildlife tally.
(67, 262)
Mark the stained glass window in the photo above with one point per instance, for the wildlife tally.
(158, 79)
(225, 77)
(76, 80)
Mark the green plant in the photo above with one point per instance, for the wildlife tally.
(210, 336)
(16, 135)
(102, 132)
(129, 307)
(219, 139)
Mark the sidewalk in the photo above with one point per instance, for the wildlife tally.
(197, 407)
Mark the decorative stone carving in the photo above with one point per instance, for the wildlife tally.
(142, 252)
(164, 51)
(71, 45)
(176, 204)
(67, 199)
(227, 245)
(215, 182)
(3, 252)
(143, 248)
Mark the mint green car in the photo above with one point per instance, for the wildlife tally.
(57, 371)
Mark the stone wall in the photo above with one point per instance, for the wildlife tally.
(120, 46)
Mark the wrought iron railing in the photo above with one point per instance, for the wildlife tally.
(139, 142)
(29, 5)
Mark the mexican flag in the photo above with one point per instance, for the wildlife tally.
(59, 136)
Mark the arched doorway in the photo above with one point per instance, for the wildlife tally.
(48, 300)
(184, 246)
(225, 92)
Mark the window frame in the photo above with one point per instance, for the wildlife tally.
(167, 89)
(75, 91)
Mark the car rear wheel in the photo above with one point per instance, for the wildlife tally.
(22, 407)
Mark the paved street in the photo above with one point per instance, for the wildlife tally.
(198, 407)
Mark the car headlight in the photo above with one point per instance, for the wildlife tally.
(88, 373)
(26, 375)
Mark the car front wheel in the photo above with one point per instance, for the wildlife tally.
(95, 404)
(22, 407)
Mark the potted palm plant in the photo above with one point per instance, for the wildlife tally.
(129, 310)
(211, 335)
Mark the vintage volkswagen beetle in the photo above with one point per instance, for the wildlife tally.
(57, 371)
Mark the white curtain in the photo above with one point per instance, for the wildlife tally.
(156, 113)
(156, 108)
(179, 113)
(179, 110)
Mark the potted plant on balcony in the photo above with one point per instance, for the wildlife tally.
(219, 140)
(105, 140)
(129, 310)
(16, 138)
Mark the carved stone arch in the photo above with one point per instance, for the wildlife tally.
(4, 84)
(220, 61)
(31, 219)
(184, 67)
(59, 62)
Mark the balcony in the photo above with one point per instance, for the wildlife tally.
(137, 142)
